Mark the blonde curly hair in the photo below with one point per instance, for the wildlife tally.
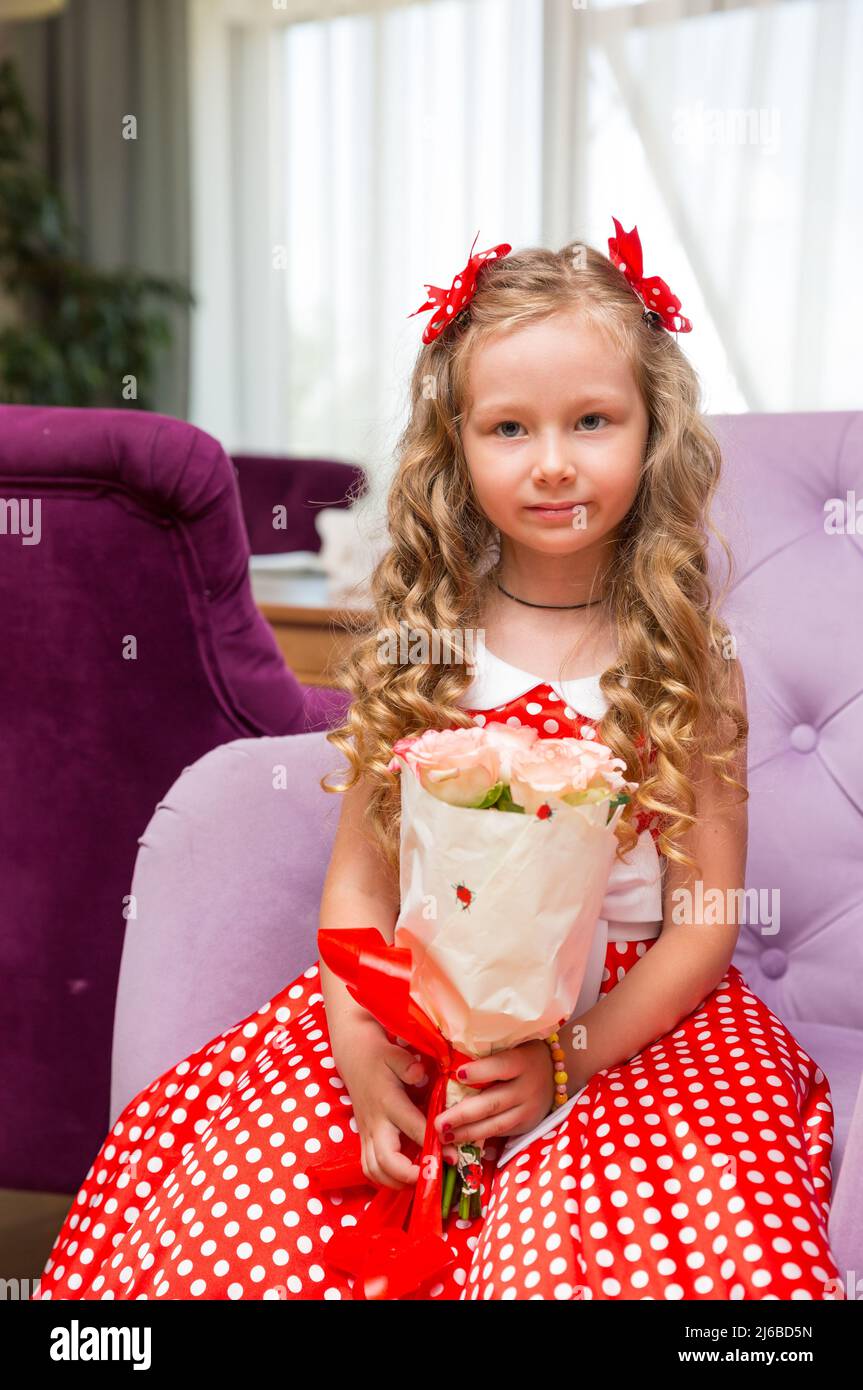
(673, 687)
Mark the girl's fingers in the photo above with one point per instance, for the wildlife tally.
(476, 1109)
(405, 1116)
(397, 1167)
(384, 1171)
(372, 1168)
(408, 1068)
(498, 1066)
(501, 1125)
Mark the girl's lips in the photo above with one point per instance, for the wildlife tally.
(566, 510)
(553, 506)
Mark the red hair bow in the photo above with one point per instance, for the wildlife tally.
(625, 251)
(450, 302)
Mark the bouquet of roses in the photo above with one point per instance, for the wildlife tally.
(498, 910)
(506, 846)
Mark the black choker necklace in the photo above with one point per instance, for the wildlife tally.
(547, 605)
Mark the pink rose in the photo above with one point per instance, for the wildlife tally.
(458, 766)
(508, 740)
(606, 769)
(566, 769)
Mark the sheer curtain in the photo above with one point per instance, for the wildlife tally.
(732, 133)
(340, 165)
(345, 154)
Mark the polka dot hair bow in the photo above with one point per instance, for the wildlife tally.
(625, 251)
(448, 303)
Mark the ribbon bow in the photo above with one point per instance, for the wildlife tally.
(448, 303)
(387, 1260)
(625, 251)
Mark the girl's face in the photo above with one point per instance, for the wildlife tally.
(554, 416)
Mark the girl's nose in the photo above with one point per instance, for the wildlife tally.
(554, 466)
(553, 459)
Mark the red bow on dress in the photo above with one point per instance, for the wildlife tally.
(449, 302)
(625, 252)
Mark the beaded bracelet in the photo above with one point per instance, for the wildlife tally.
(561, 1095)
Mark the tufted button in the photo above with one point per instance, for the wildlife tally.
(804, 737)
(774, 962)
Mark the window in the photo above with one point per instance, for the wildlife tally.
(341, 162)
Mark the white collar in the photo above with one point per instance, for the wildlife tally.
(496, 682)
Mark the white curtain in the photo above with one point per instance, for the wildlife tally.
(346, 153)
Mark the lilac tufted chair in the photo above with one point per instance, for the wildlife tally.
(131, 647)
(793, 610)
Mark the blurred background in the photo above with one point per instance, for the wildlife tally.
(237, 203)
(216, 218)
(304, 167)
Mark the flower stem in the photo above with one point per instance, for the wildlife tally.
(450, 1173)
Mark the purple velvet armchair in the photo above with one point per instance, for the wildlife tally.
(131, 648)
(301, 487)
(229, 873)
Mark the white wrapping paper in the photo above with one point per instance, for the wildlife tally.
(499, 911)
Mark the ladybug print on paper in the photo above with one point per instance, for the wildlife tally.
(463, 894)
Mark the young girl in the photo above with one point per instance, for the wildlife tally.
(552, 497)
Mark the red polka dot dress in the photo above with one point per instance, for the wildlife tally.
(699, 1169)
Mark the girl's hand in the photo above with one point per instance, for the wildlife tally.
(381, 1077)
(522, 1095)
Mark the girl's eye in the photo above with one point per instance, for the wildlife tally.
(504, 423)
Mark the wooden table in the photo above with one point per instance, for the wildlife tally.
(311, 631)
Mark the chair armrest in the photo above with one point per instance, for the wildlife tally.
(225, 892)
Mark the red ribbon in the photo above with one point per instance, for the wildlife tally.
(386, 1260)
(450, 302)
(625, 251)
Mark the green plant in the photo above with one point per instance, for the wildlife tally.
(81, 336)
